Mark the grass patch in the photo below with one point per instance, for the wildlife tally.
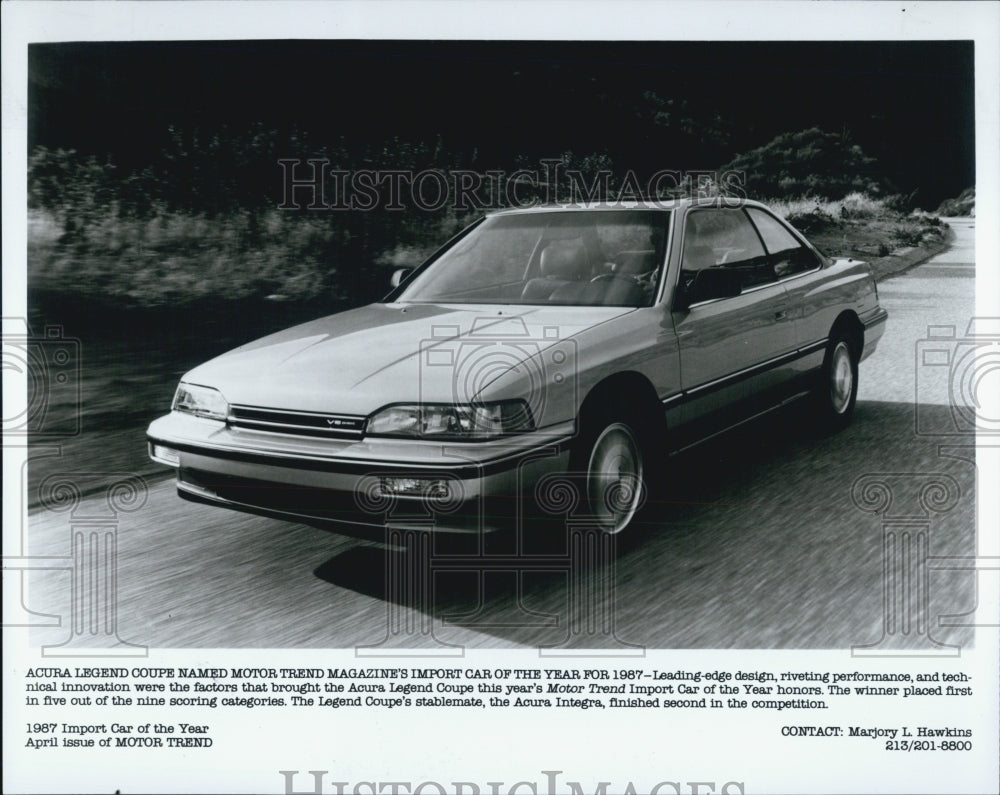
(175, 258)
(858, 225)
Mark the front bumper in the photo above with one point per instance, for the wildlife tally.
(470, 487)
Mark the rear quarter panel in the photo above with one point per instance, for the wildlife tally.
(819, 297)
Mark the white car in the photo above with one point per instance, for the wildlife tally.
(592, 340)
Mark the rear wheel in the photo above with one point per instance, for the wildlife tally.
(837, 391)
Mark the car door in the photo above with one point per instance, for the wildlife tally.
(732, 349)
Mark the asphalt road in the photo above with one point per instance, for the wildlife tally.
(756, 541)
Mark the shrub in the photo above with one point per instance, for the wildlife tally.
(813, 221)
(196, 225)
(810, 162)
(964, 204)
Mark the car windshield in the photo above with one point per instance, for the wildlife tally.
(572, 258)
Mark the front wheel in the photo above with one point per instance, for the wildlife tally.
(837, 391)
(613, 470)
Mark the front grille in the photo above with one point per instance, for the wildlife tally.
(302, 423)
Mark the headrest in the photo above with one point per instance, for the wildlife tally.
(564, 259)
(632, 263)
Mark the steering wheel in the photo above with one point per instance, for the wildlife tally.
(607, 277)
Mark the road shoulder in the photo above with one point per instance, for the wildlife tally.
(902, 259)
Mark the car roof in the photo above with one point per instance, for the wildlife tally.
(630, 204)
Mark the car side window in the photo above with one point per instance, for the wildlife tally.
(723, 238)
(788, 256)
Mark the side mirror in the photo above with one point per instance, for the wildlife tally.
(398, 275)
(709, 283)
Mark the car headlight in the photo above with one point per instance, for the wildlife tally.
(458, 422)
(202, 401)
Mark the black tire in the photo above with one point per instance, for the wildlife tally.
(836, 392)
(611, 464)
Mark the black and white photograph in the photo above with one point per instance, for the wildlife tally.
(398, 381)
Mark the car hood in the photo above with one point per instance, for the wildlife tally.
(357, 361)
